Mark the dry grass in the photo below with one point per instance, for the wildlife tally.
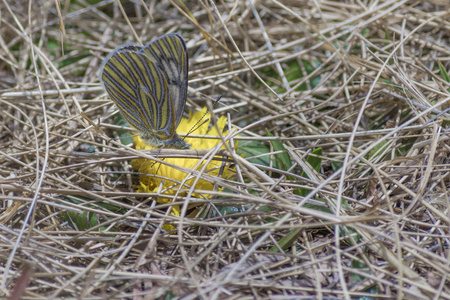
(349, 196)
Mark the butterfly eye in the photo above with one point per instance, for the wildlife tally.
(149, 85)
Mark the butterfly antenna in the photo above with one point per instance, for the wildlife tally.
(197, 125)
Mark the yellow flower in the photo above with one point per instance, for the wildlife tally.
(169, 177)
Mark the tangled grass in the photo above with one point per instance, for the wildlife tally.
(338, 148)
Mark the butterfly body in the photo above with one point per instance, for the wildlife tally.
(149, 85)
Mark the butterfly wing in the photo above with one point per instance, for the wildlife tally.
(139, 88)
(149, 85)
(169, 54)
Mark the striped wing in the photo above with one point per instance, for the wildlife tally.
(140, 89)
(169, 54)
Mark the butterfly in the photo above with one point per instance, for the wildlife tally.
(149, 85)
